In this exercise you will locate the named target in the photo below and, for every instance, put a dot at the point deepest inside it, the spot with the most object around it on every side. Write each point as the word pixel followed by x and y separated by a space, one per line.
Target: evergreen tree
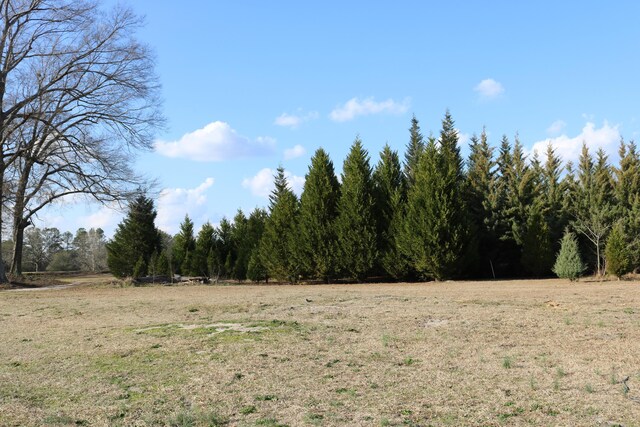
pixel 537 249
pixel 249 247
pixel 140 268
pixel 162 266
pixel 595 213
pixel 569 264
pixel 436 230
pixel 277 246
pixel 317 239
pixel 617 252
pixel 499 219
pixel 521 185
pixel 415 147
pixel 356 223
pixel 183 247
pixel 389 191
pixel 205 245
pixel 242 246
pixel 256 271
pixel 224 253
pixel 552 195
pixel 631 221
pixel 482 201
pixel 627 182
pixel 136 237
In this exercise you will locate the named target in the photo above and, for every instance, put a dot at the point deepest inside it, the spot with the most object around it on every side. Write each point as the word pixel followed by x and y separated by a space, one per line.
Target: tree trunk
pixel 18 245
pixel 20 223
pixel 3 274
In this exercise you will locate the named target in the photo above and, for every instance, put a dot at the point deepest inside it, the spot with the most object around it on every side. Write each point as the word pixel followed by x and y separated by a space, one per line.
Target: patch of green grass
pixel 628 310
pixel 348 391
pixel 588 388
pixel 386 340
pixel 193 418
pixel 506 415
pixel 408 361
pixel 507 362
pixel 560 372
pixel 249 409
pixel 314 418
pixel 269 422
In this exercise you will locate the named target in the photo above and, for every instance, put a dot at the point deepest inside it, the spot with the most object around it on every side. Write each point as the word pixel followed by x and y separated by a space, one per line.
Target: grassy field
pixel 456 353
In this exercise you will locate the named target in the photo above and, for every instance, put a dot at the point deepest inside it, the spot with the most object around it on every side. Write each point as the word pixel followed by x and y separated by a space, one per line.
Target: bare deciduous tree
pixel 78 95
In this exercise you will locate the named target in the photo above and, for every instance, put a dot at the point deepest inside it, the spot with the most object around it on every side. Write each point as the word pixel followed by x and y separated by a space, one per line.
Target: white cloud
pixel 295 120
pixel 215 142
pixel 568 148
pixel 294 152
pixel 107 217
pixel 556 127
pixel 356 107
pixel 175 203
pixel 262 183
pixel 489 89
pixel 463 138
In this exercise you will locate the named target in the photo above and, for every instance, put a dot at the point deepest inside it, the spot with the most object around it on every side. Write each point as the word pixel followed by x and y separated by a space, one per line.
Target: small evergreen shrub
pixel 569 264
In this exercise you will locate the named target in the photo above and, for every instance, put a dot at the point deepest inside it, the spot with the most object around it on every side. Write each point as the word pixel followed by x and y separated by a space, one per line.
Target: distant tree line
pixel 433 216
pixel 47 249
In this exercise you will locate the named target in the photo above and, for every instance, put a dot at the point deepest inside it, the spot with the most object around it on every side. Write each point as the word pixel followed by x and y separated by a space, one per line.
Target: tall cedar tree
pixel 415 147
pixel 390 189
pixel 224 254
pixel 552 195
pixel 537 248
pixel 184 245
pixel 481 201
pixel 317 244
pixel 436 232
pixel 277 247
pixel 242 248
pixel 135 238
pixel 521 185
pixel 506 251
pixel 356 222
pixel 246 235
pixel 595 213
pixel 627 176
pixel 617 252
pixel 205 246
pixel 249 248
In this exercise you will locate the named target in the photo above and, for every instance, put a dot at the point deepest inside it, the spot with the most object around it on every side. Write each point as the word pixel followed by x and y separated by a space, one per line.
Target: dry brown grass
pixel 456 353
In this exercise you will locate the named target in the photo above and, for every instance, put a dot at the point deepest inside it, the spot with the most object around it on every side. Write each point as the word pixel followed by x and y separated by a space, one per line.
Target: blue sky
pixel 249 85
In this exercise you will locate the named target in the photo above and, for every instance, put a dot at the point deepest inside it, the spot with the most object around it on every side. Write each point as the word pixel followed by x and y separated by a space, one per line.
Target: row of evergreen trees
pixel 432 216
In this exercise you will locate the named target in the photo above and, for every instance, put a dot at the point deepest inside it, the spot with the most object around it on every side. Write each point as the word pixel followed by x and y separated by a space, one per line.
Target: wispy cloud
pixel 261 184
pixel 175 203
pixel 556 127
pixel 569 148
pixel 294 152
pixel 294 120
pixel 363 107
pixel 215 142
pixel 489 89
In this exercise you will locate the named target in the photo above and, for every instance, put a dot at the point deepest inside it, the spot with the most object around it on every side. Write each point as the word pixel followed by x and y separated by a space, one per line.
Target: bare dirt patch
pixel 456 353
